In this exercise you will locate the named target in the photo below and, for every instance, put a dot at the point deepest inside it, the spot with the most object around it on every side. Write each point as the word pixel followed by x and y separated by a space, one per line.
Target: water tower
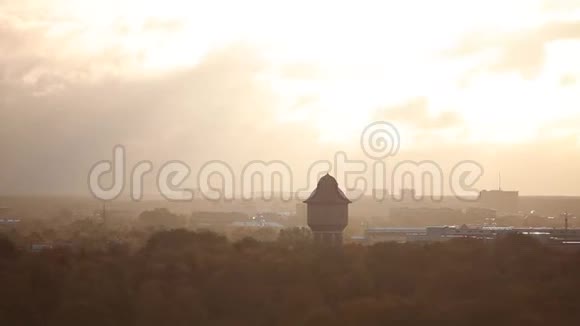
pixel 327 212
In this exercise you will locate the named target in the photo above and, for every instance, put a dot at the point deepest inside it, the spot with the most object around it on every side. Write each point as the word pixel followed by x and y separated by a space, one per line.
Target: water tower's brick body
pixel 327 212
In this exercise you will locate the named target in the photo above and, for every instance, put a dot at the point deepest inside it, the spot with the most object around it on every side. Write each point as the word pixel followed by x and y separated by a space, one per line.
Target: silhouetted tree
pixel 295 236
pixel 182 277
pixel 8 250
pixel 161 217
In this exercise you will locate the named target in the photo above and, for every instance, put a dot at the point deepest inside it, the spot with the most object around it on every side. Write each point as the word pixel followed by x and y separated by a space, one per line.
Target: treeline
pixel 199 278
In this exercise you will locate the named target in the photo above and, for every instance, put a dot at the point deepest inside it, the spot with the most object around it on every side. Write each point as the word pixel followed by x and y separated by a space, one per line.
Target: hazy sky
pixel 493 81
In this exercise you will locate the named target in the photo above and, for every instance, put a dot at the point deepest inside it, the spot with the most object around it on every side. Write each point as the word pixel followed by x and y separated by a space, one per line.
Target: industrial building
pixel 442 233
pixel 499 200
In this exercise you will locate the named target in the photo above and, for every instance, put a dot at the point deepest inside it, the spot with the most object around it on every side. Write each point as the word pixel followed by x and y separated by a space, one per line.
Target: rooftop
pixel 327 192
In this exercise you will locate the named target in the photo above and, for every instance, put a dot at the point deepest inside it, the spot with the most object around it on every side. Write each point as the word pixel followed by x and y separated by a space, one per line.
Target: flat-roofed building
pixel 499 200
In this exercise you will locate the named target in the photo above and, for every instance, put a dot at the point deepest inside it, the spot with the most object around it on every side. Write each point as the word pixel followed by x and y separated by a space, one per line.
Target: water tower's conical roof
pixel 327 192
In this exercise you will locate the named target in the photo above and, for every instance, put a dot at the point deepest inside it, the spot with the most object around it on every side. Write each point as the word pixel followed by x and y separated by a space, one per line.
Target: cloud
pixel 47 53
pixel 560 5
pixel 415 113
pixel 219 109
pixel 62 110
pixel 163 25
pixel 567 80
pixel 301 71
pixel 522 51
